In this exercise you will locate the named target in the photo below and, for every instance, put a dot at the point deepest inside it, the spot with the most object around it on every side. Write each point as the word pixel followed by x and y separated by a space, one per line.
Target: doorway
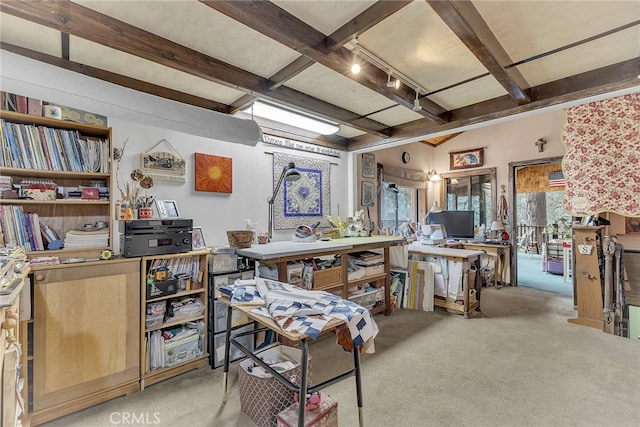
pixel 540 226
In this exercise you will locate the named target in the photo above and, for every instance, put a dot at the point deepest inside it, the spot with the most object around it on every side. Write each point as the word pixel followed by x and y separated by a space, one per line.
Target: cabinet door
pixel 86 331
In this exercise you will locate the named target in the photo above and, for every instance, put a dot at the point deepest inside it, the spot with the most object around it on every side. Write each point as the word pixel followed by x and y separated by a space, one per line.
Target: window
pixel 476 191
pixel 399 208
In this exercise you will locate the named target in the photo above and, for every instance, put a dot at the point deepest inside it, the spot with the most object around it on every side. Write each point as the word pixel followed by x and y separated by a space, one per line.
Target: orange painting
pixel 213 173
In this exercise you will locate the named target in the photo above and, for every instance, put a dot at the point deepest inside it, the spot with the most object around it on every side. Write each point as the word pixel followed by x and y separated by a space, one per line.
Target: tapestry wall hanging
pixel 603 152
pixel 305 201
pixel 213 173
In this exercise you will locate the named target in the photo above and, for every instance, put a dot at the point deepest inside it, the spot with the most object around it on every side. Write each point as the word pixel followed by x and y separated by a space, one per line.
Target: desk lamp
pixel 289 173
pixel 384 186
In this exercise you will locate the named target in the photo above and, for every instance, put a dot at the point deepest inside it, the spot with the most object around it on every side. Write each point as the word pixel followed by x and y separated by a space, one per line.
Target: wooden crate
pixel 327 277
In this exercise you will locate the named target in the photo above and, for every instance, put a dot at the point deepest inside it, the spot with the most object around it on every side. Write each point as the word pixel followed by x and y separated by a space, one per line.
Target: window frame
pixel 491 172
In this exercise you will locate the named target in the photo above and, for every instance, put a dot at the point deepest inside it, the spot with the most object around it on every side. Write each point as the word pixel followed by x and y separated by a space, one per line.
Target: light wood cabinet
pixel 588 281
pixel 85 335
pixel 156 368
pixel 39 137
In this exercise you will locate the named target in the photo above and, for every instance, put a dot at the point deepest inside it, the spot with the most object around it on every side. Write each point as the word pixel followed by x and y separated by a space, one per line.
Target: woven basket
pixel 240 238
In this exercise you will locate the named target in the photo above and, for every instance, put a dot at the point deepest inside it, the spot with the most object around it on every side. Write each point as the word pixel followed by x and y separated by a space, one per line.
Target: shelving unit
pixel 195 264
pixel 39 134
pixel 279 253
pixel 218 315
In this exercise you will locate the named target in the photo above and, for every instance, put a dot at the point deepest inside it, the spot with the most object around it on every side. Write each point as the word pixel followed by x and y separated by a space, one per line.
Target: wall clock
pixel 405 157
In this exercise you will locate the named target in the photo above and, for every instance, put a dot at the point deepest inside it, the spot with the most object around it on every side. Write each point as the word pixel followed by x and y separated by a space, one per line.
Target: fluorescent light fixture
pixel 291 118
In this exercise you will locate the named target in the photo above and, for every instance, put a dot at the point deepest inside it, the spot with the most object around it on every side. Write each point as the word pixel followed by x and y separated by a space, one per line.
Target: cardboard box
pixel 325 416
pixel 222 263
pixel 181 350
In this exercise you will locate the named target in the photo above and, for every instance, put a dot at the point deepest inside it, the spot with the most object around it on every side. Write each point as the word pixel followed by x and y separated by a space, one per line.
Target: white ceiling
pixel 563 45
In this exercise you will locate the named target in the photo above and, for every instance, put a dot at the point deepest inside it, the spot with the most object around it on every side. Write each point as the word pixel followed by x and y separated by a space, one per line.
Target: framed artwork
pixel 632 225
pixel 367 190
pixel 164 165
pixel 197 239
pixel 167 209
pixel 466 159
pixel 368 165
pixel 305 201
pixel 213 173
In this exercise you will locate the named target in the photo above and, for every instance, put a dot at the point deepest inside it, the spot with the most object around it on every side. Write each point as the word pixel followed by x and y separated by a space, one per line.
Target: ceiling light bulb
pixel 396 84
pixel 416 103
pixel 355 67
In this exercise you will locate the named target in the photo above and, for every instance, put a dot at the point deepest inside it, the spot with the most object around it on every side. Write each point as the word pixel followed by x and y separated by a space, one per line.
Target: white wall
pixel 146 120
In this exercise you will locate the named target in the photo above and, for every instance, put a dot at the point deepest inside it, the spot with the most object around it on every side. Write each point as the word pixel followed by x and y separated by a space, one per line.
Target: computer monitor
pixel 459 224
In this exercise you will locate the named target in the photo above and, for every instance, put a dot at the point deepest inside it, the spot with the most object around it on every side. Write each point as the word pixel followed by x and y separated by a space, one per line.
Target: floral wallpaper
pixel 602 163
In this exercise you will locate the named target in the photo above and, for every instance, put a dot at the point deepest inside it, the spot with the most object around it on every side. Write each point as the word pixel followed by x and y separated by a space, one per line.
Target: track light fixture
pixel 416 102
pixel 394 84
pixel 355 66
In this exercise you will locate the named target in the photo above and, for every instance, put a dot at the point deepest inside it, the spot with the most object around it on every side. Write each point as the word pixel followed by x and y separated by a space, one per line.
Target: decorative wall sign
pixel 466 159
pixel 213 173
pixel 164 165
pixel 299 145
pixel 305 201
pixel 368 165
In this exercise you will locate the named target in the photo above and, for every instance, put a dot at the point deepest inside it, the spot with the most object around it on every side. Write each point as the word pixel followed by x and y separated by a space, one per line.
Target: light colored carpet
pixel 517 363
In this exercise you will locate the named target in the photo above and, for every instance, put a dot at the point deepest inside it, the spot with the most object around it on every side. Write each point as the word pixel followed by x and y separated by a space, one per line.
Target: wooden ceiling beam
pixel 367 19
pixel 466 23
pixel 80 21
pixel 118 79
pixel 620 76
pixel 290 71
pixel 373 15
pixel 278 24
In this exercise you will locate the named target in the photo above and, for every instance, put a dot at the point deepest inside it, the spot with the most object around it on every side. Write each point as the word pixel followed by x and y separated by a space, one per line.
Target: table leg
pixel 500 272
pixel 465 285
pixel 356 365
pixel 302 393
pixel 227 345
pixel 477 283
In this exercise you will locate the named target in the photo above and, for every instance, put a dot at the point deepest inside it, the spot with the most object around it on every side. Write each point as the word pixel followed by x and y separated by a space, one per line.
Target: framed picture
pixel 197 239
pixel 213 173
pixel 466 159
pixel 167 209
pixel 632 225
pixel 368 165
pixel 367 190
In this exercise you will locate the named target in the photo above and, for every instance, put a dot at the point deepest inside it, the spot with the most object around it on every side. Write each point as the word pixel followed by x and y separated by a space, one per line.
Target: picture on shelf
pixel 197 239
